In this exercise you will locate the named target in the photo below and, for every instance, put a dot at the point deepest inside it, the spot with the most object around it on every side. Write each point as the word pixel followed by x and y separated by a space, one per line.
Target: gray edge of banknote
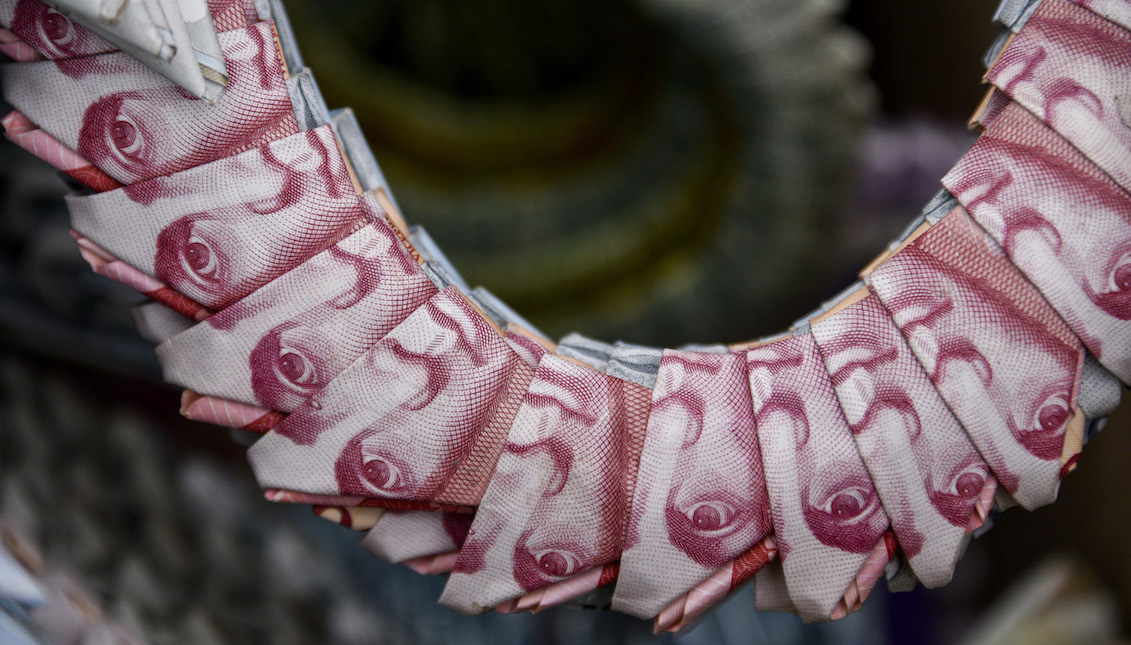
pixel 309 107
pixel 427 247
pixel 504 311
pixel 437 275
pixel 365 165
pixel 592 352
pixel 287 41
pixel 636 363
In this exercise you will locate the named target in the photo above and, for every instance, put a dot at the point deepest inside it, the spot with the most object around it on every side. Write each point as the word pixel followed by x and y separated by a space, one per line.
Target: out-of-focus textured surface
pixel 660 171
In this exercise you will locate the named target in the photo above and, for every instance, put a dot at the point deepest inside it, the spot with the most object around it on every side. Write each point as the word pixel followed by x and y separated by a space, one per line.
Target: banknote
pixel 770 591
pixel 1117 11
pixel 469 481
pixel 562 591
pixel 502 313
pixel 285 341
pixel 48 33
pixel 1000 356
pixel 176 39
pixel 134 124
pixel 25 134
pixel 1063 222
pixel 401 418
pixel 105 264
pixel 592 352
pixel 405 535
pixel 432 565
pixel 716 587
pixel 287 496
pixel 217 232
pixel 228 413
pixel 356 518
pixel 636 363
pixel 158 323
pixel 237 14
pixel 16 49
pixel 700 497
pixel 928 475
pixel 555 506
pixel 1072 69
pixel 825 511
pixel 637 402
pixel 529 347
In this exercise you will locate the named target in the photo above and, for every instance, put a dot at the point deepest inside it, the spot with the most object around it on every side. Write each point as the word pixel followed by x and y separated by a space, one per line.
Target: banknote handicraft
pixel 961 375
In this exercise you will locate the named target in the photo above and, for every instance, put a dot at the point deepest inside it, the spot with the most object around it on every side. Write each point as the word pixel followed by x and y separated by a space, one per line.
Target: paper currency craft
pixel 134 124
pixel 1071 68
pixel 700 498
pixel 1063 222
pixel 401 418
pixel 555 506
pixel 433 417
pixel 998 354
pixel 826 514
pixel 927 473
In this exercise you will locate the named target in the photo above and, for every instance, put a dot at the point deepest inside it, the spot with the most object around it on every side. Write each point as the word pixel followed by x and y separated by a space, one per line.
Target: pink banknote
pixel 637 402
pixel 929 476
pixel 562 591
pixel 1000 356
pixel 287 340
pixel 405 535
pixel 233 14
pixel 27 135
pixel 399 420
pixel 286 496
pixel 555 507
pixel 1072 69
pixel 716 587
pixel 217 232
pixel 1117 11
pixel 134 124
pixel 469 481
pixel 1061 221
pixel 700 497
pixel 826 514
pixel 106 265
pixel 16 49
pixel 228 413
pixel 49 33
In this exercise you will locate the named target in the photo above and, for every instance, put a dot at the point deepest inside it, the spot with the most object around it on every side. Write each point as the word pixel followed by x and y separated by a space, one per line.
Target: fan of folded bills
pixel 961 375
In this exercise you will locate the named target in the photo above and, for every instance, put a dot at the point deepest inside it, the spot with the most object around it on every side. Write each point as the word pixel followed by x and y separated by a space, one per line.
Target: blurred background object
pixel 658 171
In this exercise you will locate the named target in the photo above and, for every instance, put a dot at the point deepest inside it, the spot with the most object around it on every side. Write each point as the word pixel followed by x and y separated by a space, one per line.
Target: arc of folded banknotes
pixel 962 374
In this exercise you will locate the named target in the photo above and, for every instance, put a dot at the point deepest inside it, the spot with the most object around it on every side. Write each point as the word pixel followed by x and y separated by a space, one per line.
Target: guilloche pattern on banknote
pixel 1063 222
pixel 219 231
pixel 233 14
pixel 1072 69
pixel 471 478
pixel 555 506
pixel 404 535
pixel 700 497
pixel 927 473
pixel 51 34
pixel 398 421
pixel 284 342
pixel 134 124
pixel 1117 11
pixel 826 514
pixel 25 134
pixel 1000 356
